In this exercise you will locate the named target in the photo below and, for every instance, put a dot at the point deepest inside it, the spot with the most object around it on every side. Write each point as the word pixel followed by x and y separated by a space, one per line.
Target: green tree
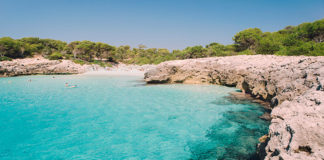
pixel 104 51
pixel 122 52
pixel 318 31
pixel 86 50
pixel 10 48
pixel 216 49
pixel 268 44
pixel 72 49
pixel 318 49
pixel 195 52
pixel 42 46
pixel 247 39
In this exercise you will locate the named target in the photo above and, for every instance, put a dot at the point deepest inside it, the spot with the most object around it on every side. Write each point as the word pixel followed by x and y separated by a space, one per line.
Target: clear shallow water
pixel 121 118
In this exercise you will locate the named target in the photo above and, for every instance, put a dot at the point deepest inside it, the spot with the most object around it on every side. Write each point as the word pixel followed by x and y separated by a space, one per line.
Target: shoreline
pixel 241 97
pixel 40 66
pixel 294 87
pixel 114 73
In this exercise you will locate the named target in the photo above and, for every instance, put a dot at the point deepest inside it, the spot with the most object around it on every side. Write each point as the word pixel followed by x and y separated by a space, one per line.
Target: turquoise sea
pixel 119 117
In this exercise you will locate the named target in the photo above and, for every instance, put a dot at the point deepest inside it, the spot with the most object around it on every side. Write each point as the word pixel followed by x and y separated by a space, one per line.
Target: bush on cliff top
pixel 56 56
pixel 78 61
pixel 4 58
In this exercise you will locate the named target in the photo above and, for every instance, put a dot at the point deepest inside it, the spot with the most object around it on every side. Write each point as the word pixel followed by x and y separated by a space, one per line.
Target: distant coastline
pixel 40 65
pixel 305 39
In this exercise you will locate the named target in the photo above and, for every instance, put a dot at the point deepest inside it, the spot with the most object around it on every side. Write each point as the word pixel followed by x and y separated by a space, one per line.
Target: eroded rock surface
pixel 294 86
pixel 297 132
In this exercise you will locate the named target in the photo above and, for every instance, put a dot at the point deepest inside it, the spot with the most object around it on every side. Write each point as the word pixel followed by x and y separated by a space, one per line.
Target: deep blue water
pixel 111 117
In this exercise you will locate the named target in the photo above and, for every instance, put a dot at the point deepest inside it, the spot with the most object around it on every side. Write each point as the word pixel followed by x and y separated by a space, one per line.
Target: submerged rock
pixel 266 116
pixel 294 87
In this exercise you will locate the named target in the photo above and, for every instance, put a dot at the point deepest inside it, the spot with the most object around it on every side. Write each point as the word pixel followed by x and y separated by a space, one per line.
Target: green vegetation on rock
pixel 56 56
pixel 304 39
pixel 4 58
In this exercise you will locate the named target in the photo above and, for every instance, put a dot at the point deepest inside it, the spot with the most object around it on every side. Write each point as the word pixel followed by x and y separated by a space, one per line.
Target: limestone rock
pixel 40 65
pixel 294 86
pixel 299 132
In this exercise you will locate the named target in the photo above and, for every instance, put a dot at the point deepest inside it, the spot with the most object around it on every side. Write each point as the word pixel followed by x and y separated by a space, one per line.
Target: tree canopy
pixel 304 39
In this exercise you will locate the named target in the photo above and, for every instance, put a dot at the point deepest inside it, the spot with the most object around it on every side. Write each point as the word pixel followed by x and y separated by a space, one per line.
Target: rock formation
pixel 40 65
pixel 294 86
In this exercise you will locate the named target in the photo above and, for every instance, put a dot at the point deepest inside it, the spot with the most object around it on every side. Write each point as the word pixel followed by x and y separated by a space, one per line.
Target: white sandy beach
pixel 115 73
pixel 121 70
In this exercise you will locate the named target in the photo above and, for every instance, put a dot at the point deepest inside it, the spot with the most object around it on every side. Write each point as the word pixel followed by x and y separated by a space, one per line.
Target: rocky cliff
pixel 294 86
pixel 40 65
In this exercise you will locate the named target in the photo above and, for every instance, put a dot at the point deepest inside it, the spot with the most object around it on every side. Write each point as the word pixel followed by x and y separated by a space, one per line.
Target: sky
pixel 171 24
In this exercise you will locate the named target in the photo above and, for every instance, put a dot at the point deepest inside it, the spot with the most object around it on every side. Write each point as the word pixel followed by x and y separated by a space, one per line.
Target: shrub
pixel 246 52
pixel 4 58
pixel 56 56
pixel 303 49
pixel 68 56
pixel 268 46
pixel 79 61
pixel 318 49
pixel 100 63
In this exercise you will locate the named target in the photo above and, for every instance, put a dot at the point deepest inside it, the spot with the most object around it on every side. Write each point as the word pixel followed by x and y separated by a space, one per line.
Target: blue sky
pixel 172 24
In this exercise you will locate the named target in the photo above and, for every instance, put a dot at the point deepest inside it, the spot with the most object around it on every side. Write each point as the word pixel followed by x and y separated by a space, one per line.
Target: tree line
pixel 304 39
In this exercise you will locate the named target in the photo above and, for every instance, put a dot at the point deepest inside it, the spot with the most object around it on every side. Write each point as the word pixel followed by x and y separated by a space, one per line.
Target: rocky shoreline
pixel 40 65
pixel 294 87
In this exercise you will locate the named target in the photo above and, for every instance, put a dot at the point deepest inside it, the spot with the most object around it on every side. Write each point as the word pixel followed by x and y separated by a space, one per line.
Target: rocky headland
pixel 40 65
pixel 293 86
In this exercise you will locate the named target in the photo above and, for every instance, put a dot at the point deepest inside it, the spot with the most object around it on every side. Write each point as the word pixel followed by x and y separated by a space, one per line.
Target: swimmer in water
pixel 66 84
pixel 74 86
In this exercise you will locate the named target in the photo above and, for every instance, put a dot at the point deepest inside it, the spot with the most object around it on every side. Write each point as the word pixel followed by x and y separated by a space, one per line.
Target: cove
pixel 119 117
